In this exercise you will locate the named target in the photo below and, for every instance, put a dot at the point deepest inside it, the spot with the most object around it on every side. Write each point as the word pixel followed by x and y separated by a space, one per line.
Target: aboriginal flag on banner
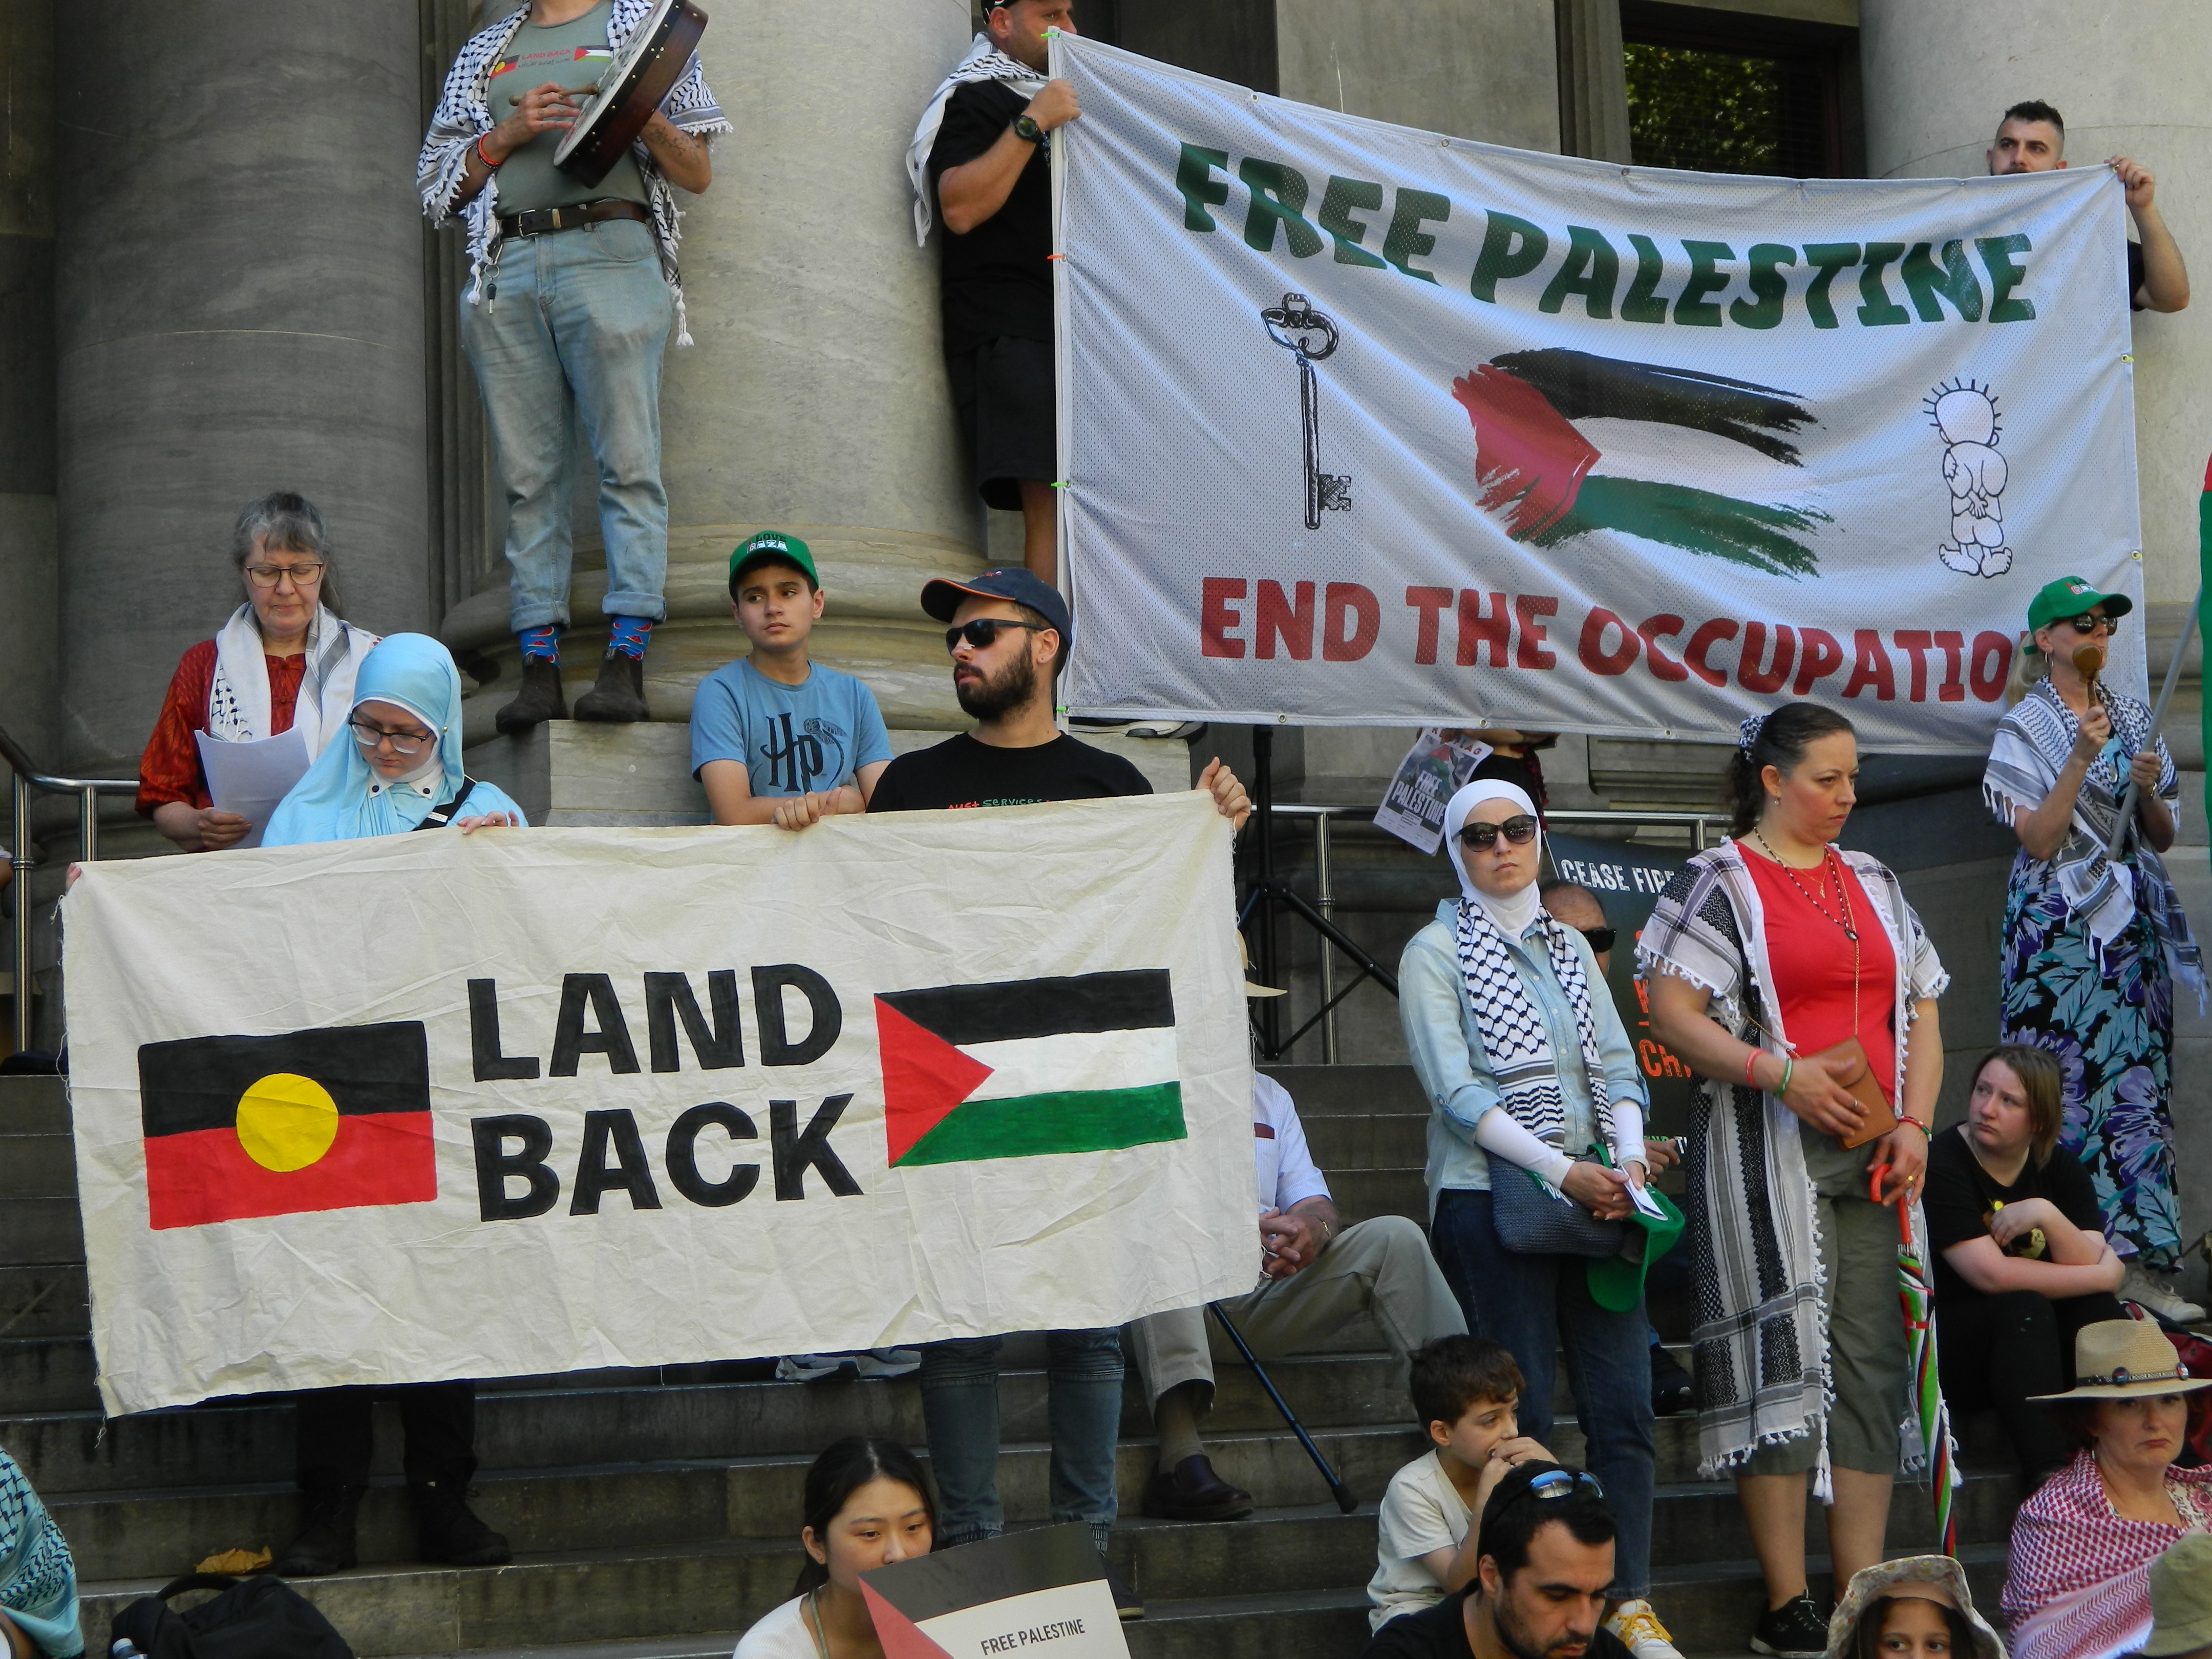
pixel 332 1119
pixel 1029 1067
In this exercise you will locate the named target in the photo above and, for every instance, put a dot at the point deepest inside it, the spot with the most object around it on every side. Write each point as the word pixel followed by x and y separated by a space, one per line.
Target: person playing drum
pixel 572 291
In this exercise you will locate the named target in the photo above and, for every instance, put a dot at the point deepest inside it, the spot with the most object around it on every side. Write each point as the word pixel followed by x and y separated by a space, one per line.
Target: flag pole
pixel 2157 719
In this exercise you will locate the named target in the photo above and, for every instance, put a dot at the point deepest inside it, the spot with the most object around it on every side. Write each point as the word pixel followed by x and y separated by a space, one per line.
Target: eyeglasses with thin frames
pixel 267 575
pixel 370 737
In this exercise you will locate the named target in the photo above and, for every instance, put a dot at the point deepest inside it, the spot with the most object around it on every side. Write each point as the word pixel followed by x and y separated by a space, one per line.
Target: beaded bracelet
pixel 1907 1117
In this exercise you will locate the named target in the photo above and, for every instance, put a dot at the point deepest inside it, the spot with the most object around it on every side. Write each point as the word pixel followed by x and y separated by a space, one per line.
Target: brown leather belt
pixel 538 221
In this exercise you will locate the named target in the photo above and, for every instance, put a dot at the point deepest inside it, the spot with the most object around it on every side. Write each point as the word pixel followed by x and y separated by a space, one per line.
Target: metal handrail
pixel 88 790
pixel 1698 824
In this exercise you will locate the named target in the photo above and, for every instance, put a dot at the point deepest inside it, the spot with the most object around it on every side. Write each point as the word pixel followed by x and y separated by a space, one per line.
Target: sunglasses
pixel 980 633
pixel 2091 623
pixel 1554 1484
pixel 1519 830
pixel 1600 939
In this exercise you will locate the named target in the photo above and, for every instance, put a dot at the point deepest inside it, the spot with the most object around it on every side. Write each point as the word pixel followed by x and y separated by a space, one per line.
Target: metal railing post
pixel 20 860
pixel 87 824
pixel 1325 901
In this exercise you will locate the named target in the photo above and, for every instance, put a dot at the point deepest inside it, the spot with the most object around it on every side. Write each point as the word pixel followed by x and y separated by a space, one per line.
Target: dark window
pixel 1730 92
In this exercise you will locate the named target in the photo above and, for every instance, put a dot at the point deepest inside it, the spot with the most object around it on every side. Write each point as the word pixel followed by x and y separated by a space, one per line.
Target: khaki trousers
pixel 1380 1267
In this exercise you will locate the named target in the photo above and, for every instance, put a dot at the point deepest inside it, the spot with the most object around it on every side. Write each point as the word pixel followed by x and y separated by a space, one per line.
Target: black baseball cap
pixel 942 597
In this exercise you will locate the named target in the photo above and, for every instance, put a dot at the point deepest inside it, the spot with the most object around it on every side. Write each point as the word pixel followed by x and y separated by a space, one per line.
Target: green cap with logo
pixel 2069 596
pixel 772 547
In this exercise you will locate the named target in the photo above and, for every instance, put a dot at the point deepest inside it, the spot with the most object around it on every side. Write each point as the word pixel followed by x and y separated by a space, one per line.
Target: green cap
pixel 2069 596
pixel 1616 1283
pixel 2181 1597
pixel 772 547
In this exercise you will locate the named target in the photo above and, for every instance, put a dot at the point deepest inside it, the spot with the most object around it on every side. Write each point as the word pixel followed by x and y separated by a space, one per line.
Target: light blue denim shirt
pixel 1448 1054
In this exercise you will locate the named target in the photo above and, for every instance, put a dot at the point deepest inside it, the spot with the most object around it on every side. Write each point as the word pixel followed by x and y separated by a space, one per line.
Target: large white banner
pixel 1361 425
pixel 428 1107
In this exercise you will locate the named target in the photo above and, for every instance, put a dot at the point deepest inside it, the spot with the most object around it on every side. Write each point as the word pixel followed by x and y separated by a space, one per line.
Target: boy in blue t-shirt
pixel 775 738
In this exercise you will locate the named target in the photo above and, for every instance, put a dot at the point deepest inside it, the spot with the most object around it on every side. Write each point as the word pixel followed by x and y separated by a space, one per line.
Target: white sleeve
pixel 1297 1176
pixel 1628 1135
pixel 1497 1133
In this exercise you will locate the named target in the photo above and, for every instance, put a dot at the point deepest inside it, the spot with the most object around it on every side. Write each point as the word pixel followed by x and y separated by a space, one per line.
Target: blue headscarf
pixel 335 801
pixel 38 1581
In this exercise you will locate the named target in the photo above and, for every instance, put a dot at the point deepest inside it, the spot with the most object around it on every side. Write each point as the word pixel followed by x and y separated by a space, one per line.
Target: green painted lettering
pixel 1592 270
pixel 2006 274
pixel 1954 283
pixel 1827 259
pixel 1878 310
pixel 1194 180
pixel 1406 242
pixel 1692 307
pixel 1350 234
pixel 1510 247
pixel 1644 303
pixel 1772 288
pixel 1278 198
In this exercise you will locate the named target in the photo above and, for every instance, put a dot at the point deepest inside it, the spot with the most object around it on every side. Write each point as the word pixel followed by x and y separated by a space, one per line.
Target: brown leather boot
pixel 619 692
pixel 540 698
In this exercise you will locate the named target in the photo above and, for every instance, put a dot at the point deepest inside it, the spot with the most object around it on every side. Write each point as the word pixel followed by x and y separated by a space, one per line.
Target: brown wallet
pixel 1857 1079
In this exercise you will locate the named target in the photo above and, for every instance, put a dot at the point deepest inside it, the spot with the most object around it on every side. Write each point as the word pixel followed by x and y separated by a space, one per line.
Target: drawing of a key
pixel 1311 336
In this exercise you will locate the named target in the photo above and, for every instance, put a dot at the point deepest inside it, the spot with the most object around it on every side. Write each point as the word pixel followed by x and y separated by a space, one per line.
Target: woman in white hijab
pixel 1528 1067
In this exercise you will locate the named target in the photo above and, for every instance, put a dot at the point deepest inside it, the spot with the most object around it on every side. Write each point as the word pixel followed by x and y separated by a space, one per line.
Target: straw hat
pixel 1935 1578
pixel 2126 1359
pixel 1250 989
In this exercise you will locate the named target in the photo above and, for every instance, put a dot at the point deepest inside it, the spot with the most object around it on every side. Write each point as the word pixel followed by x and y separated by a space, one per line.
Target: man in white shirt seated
pixel 1316 1275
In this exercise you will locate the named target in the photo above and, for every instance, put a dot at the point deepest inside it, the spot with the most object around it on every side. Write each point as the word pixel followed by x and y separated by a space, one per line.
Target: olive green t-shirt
pixel 571 55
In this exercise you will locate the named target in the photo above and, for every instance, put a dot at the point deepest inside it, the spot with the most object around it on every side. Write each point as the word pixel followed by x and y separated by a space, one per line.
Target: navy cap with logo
pixel 942 597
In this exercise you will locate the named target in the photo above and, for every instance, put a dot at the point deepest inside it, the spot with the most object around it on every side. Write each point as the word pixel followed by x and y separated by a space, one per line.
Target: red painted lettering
pixel 1351 618
pixel 1919 643
pixel 1592 650
pixel 1771 678
pixel 1870 666
pixel 1954 647
pixel 1429 602
pixel 1476 629
pixel 1707 636
pixel 1277 618
pixel 1822 657
pixel 1992 662
pixel 1527 607
pixel 1656 629
pixel 1216 618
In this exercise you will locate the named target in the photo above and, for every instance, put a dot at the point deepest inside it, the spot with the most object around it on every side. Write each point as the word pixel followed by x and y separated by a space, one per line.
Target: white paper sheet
pixel 250 778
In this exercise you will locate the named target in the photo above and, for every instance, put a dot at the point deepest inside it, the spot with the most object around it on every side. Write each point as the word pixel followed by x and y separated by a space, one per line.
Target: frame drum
pixel 631 90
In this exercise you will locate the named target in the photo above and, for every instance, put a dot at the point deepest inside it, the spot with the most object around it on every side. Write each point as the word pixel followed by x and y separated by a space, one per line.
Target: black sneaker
pixel 326 1543
pixel 448 1531
pixel 1795 1630
pixel 1673 1389
pixel 1127 1601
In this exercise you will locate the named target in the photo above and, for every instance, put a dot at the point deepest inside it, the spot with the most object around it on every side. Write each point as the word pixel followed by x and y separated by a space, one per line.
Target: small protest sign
pixel 1434 768
pixel 1042 1591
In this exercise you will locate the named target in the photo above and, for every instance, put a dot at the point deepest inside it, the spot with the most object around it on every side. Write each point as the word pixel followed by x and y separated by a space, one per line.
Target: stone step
pixel 1379 1141
pixel 43 1302
pixel 33 1105
pixel 39 1230
pixel 45 1374
pixel 1351 1091
pixel 243 1441
pixel 36 1165
pixel 1360 1194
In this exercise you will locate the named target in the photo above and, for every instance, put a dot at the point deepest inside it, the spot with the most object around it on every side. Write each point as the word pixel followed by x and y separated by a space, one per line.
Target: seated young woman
pixel 868 1505
pixel 2022 1264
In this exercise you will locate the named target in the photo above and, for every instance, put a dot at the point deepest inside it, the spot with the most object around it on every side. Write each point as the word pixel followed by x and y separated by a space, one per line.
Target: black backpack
pixel 252 1619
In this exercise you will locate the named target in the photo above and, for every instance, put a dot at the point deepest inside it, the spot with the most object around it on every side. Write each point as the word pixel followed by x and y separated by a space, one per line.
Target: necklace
pixel 1832 870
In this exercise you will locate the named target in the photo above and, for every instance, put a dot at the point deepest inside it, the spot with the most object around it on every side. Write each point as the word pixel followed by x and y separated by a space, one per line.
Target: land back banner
pixel 428 1107
pixel 1362 425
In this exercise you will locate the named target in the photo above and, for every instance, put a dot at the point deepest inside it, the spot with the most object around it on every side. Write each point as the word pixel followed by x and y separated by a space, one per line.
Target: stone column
pixel 1472 68
pixel 815 399
pixel 26 376
pixel 240 282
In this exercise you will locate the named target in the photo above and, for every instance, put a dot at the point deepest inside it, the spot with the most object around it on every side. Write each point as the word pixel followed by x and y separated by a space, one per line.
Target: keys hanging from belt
pixel 1310 336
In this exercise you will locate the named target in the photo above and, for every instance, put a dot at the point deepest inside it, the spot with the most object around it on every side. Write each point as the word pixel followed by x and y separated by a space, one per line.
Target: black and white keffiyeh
pixel 984 62
pixel 238 708
pixel 1515 1039
pixel 464 115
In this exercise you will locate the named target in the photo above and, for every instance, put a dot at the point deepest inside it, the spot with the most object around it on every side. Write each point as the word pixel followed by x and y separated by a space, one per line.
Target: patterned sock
pixel 629 635
pixel 541 643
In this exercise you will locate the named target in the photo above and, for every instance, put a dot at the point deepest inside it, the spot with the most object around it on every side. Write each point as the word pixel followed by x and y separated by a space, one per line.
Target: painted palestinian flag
pixel 1540 470
pixel 1030 1066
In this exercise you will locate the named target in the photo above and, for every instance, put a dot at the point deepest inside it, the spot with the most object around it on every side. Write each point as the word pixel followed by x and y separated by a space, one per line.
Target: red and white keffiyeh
pixel 2079 1586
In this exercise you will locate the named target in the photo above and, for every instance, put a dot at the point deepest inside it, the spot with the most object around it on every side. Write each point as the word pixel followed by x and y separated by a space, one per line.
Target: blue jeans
pixel 960 1408
pixel 1535 1305
pixel 570 329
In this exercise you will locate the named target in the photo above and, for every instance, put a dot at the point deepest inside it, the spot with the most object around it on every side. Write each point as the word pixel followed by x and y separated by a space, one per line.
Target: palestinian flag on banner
pixel 1539 468
pixel 1029 1067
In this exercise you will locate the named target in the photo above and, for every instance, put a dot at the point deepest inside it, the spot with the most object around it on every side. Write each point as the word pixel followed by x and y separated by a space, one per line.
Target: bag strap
pixel 192 1580
pixel 442 813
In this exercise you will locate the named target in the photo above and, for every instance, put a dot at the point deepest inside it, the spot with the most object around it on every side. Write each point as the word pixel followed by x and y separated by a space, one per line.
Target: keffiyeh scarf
pixel 2078 1583
pixel 464 114
pixel 2032 745
pixel 1761 1342
pixel 38 1580
pixel 237 699
pixel 984 62
pixel 1515 1040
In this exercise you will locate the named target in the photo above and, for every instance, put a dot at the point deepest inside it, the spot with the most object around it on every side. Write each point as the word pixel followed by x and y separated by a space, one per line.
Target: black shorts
pixel 1003 392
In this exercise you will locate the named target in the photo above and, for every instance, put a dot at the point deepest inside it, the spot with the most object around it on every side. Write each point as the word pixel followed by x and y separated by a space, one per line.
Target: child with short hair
pixel 775 737
pixel 1467 1391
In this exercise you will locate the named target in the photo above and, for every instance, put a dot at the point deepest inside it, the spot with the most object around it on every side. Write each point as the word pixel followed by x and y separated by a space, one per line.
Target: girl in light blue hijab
pixel 402 759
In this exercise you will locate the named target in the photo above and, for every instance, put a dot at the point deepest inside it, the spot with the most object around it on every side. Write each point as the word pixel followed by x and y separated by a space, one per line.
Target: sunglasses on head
pixel 1518 830
pixel 980 633
pixel 2092 621
pixel 1554 1484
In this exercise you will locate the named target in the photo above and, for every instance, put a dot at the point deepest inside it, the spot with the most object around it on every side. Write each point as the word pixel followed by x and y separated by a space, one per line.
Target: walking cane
pixel 1337 1488
pixel 2157 719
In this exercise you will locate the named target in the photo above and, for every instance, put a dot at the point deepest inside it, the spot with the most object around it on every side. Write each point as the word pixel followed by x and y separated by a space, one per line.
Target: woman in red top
pixel 245 684
pixel 1763 954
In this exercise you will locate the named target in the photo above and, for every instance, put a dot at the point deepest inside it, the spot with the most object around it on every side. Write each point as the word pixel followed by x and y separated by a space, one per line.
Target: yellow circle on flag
pixel 287 1121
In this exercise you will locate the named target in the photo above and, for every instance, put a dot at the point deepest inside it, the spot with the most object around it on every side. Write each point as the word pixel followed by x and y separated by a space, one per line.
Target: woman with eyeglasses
pixel 1799 985
pixel 2092 948
pixel 1533 1081
pixel 285 659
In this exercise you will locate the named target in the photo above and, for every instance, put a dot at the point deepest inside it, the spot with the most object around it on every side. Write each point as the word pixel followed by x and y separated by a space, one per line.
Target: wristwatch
pixel 1027 129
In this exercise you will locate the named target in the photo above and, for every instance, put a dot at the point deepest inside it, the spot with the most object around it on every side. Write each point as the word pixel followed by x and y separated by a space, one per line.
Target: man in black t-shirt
pixel 990 175
pixel 1539 1590
pixel 2032 138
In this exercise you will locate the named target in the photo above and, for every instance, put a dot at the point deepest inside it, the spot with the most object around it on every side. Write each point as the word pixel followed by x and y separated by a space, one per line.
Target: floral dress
pixel 2092 949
